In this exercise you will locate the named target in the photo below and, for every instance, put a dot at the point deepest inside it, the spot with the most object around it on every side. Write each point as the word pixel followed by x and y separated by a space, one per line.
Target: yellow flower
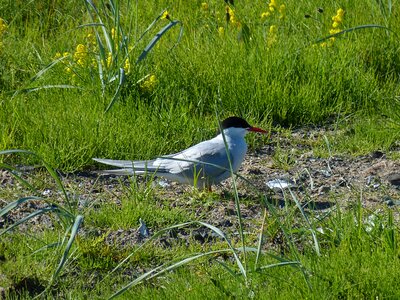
pixel 3 26
pixel 337 19
pixel 147 85
pixel 81 62
pixel 113 33
pixel 94 63
pixel 80 54
pixel 57 55
pixel 221 30
pixel 230 16
pixel 273 5
pixel 340 12
pixel 166 15
pixel 272 36
pixel 65 54
pixel 127 66
pixel 334 31
pixel 80 48
pixel 265 15
pixel 273 29
pixel 282 11
pixel 109 59
pixel 204 6
pixel 337 23
pixel 91 39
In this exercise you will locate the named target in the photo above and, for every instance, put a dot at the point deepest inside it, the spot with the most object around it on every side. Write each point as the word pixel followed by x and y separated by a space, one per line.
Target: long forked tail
pixel 128 167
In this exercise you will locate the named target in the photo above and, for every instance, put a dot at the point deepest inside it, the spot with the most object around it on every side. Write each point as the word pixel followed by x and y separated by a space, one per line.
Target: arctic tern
pixel 203 164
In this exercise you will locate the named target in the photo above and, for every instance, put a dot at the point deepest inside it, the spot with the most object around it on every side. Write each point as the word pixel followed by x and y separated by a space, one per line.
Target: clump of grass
pixel 65 212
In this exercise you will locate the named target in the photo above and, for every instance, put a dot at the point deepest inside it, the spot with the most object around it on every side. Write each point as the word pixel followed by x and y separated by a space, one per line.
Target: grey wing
pixel 208 165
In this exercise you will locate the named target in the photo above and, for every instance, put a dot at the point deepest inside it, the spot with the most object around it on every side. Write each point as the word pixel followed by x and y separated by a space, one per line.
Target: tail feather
pixel 138 164
pixel 117 172
pixel 129 167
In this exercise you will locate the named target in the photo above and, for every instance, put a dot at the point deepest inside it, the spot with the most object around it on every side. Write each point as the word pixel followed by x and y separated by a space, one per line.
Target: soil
pixel 317 183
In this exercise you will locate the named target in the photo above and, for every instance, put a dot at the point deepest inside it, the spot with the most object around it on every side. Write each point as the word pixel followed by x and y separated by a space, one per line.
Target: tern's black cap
pixel 235 122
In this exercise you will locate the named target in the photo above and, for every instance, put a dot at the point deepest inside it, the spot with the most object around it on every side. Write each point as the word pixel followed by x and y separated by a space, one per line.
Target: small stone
pixel 377 154
pixel 394 179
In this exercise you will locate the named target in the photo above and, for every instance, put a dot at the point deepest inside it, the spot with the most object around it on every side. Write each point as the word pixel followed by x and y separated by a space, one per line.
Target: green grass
pixel 280 82
pixel 293 82
pixel 357 259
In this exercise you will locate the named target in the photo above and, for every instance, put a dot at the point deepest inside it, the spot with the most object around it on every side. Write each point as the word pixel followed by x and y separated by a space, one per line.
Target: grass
pixel 280 78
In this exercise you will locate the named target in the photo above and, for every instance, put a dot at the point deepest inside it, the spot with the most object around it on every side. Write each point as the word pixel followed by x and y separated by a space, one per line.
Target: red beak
pixel 255 129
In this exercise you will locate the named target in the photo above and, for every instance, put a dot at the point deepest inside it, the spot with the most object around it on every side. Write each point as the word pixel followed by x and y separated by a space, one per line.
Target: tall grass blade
pixel 221 234
pixel 13 172
pixel 152 238
pixel 152 273
pixel 52 172
pixel 151 25
pixel 314 236
pixel 30 216
pixel 354 29
pixel 6 209
pixel 45 247
pixel 74 231
pixel 50 86
pixel 260 240
pixel 156 38
pixel 118 90
pixel 236 195
pixel 281 264
pixel 40 74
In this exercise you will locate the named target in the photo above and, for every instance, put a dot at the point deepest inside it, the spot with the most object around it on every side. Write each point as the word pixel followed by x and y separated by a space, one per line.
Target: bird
pixel 202 165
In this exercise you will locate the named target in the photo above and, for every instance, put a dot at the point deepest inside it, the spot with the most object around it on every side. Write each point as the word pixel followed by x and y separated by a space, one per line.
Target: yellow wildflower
pixel 204 6
pixel 282 11
pixel 265 15
pixel 337 21
pixel 221 30
pixel 273 29
pixel 334 30
pixel 113 33
pixel 81 48
pixel 338 18
pixel 80 54
pixel 3 26
pixel 147 85
pixel 340 12
pixel 166 15
pixel 57 55
pixel 127 66
pixel 273 5
pixel 109 59
pixel 65 54
pixel 272 36
pixel 91 39
pixel 230 16
pixel 94 63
